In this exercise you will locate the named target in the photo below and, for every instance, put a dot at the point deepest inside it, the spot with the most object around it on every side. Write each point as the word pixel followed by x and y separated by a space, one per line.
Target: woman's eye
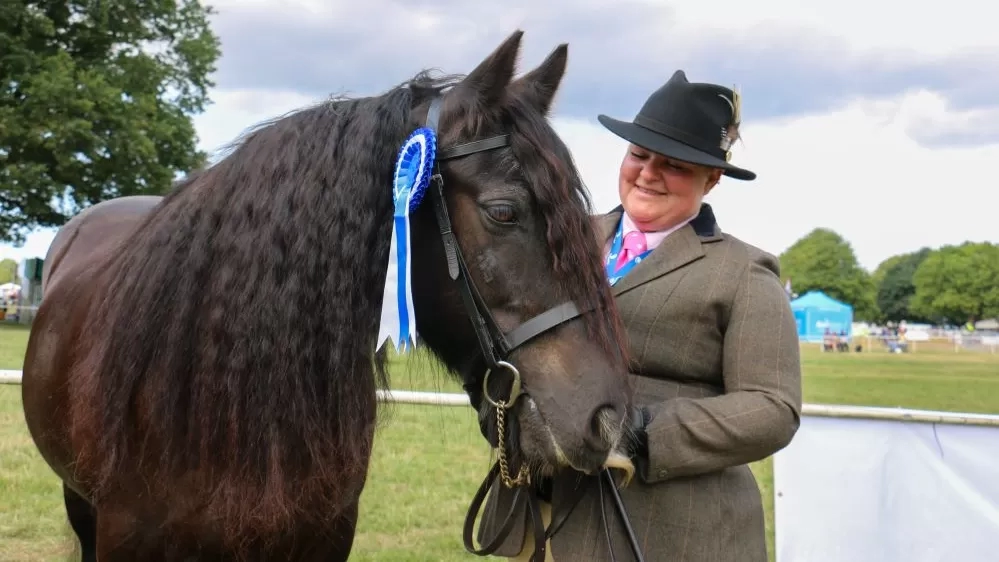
pixel 502 213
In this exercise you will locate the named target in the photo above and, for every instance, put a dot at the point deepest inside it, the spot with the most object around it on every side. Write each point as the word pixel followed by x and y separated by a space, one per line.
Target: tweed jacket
pixel 715 357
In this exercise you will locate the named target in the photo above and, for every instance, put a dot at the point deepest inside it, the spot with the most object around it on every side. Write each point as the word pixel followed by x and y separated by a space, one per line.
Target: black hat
pixel 694 123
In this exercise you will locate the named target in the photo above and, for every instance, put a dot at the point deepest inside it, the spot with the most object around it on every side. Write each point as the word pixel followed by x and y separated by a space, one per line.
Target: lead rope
pixel 622 515
pixel 603 518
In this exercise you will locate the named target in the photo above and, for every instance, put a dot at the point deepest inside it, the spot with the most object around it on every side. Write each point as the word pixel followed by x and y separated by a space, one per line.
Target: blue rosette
pixel 413 169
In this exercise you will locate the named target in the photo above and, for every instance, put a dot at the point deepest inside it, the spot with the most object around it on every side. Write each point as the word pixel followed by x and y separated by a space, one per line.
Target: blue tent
pixel 815 312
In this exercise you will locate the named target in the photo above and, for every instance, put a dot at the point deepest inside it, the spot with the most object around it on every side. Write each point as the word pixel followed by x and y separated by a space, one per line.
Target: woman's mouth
pixel 648 192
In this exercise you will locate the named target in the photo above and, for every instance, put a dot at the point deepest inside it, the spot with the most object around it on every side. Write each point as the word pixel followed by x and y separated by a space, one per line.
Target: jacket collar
pixel 677 250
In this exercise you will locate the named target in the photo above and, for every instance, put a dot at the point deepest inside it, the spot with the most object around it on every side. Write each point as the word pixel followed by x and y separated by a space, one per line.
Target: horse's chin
pixel 549 459
pixel 620 462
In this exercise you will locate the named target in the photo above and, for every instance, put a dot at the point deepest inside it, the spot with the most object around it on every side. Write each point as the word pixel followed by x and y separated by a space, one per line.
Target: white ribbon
pixel 398 320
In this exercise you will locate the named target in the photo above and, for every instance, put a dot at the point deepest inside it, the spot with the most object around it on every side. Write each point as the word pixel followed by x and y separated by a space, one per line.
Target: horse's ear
pixel 538 86
pixel 490 79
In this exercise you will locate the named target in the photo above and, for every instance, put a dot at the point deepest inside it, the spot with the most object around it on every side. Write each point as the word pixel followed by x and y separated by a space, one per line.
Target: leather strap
pixel 528 495
pixel 541 323
pixel 499 141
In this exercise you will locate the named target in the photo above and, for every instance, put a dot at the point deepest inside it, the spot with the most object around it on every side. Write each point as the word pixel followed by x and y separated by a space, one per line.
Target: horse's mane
pixel 567 208
pixel 240 319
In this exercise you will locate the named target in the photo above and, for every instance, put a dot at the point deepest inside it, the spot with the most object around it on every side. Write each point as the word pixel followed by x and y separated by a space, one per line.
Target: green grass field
pixel 429 460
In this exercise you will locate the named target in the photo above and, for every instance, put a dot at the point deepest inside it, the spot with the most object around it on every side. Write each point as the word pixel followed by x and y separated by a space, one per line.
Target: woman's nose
pixel 647 172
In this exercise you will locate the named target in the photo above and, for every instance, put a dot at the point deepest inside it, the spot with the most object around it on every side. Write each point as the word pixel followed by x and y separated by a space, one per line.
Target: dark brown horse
pixel 201 373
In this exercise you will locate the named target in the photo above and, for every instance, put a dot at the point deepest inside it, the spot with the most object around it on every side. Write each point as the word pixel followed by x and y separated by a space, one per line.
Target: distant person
pixel 714 343
pixel 843 343
pixel 828 340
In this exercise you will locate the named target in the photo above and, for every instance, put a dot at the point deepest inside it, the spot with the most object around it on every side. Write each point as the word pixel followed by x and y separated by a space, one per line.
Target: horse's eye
pixel 505 214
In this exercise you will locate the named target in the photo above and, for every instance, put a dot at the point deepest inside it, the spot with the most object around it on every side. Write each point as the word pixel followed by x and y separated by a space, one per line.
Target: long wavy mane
pixel 239 320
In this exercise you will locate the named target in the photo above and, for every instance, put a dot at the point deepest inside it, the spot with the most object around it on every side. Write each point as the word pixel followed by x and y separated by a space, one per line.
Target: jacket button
pixel 663 473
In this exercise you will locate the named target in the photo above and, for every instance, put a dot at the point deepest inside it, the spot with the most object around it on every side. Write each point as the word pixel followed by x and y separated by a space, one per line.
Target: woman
pixel 714 347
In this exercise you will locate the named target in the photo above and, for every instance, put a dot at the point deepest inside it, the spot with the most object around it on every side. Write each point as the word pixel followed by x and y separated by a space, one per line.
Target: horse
pixel 202 372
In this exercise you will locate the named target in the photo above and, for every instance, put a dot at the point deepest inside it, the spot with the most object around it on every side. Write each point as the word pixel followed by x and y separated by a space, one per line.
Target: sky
pixel 863 116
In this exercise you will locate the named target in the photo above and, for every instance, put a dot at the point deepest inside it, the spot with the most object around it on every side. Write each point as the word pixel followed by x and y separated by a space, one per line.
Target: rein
pixel 496 346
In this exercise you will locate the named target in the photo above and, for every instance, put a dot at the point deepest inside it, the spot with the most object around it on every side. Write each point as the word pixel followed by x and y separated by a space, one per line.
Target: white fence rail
pixel 816 410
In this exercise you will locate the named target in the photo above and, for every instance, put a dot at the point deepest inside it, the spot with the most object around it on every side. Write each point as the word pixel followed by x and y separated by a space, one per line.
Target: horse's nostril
pixel 604 423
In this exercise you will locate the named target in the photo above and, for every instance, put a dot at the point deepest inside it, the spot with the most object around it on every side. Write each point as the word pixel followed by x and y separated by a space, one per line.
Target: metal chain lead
pixel 523 477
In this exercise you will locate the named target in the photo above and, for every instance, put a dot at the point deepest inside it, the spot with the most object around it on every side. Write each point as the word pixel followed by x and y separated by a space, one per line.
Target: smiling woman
pixel 659 193
pixel 715 359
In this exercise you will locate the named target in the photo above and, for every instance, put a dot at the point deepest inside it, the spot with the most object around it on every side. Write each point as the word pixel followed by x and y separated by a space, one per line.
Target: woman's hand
pixel 637 435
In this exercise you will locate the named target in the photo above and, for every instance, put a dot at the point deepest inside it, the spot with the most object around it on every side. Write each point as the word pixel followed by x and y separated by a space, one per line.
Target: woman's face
pixel 659 192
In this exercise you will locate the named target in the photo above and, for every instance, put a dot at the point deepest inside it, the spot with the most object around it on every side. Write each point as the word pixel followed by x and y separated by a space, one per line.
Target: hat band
pixel 680 135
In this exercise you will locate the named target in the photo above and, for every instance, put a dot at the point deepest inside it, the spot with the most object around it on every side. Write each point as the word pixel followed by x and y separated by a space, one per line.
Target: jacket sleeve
pixel 760 410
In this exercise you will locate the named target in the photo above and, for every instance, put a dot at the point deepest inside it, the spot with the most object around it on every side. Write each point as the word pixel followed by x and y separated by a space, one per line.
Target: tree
pixel 96 100
pixel 879 273
pixel 8 271
pixel 958 283
pixel 895 289
pixel 824 261
pixel 878 277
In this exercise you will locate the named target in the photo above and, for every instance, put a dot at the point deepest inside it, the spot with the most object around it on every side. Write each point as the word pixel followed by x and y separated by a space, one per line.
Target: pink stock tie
pixel 634 245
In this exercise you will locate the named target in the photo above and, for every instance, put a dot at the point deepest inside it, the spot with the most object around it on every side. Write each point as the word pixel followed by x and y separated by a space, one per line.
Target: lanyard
pixel 612 275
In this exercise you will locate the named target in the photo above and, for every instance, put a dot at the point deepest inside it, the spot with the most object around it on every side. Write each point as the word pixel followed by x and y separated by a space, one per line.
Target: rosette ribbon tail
pixel 398 318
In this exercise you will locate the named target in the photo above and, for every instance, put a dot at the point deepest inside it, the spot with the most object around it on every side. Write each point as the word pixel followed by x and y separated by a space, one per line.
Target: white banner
pixel 882 490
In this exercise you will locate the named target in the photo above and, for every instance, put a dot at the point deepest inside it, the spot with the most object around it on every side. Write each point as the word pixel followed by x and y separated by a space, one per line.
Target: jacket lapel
pixel 677 250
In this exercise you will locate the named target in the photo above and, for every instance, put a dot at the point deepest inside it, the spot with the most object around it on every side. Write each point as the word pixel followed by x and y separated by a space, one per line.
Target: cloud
pixel 875 125
pixel 942 124
pixel 787 60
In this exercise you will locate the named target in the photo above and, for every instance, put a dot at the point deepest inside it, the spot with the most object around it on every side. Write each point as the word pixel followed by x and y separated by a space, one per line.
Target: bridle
pixel 495 346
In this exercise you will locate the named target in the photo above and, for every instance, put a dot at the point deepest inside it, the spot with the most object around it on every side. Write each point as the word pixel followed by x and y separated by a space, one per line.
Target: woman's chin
pixel 645 214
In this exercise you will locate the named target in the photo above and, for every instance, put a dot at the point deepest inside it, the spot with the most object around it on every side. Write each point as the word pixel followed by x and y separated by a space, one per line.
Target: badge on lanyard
pixel 615 275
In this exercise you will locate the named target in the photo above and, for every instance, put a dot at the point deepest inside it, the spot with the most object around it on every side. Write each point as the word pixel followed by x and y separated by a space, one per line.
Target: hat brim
pixel 651 140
